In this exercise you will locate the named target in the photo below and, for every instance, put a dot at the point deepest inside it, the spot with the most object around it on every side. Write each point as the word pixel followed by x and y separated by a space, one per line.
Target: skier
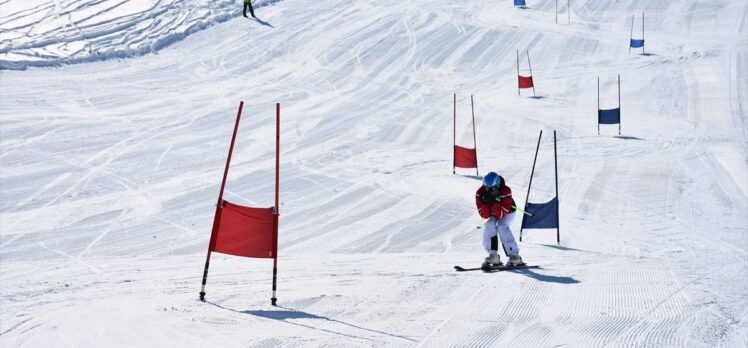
pixel 248 4
pixel 495 203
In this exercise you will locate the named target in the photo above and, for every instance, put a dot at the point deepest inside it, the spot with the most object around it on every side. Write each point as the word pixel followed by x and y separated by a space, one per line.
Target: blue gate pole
pixel 530 184
pixel 558 200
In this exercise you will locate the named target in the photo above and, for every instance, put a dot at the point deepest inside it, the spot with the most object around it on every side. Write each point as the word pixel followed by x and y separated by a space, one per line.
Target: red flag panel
pixel 465 158
pixel 245 231
pixel 525 81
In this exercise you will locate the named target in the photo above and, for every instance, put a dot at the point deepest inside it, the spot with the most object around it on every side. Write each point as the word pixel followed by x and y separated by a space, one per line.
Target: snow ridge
pixel 51 33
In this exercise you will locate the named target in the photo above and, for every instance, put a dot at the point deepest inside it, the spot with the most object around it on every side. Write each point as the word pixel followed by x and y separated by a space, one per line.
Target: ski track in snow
pixel 110 170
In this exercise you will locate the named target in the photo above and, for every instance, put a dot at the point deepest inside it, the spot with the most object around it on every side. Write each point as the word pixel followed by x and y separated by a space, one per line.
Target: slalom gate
pixel 609 116
pixel 463 157
pixel 525 81
pixel 246 231
pixel 636 43
pixel 542 215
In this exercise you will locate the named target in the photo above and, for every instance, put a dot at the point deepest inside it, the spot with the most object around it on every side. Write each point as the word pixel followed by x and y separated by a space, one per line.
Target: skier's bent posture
pixel 495 203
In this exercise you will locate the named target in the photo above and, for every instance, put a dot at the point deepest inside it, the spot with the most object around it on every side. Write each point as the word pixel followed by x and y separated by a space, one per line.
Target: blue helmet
pixel 491 180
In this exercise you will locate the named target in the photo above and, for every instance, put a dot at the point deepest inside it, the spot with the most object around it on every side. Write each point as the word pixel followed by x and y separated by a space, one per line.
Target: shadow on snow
pixel 545 278
pixel 559 247
pixel 285 314
pixel 263 22
pixel 626 137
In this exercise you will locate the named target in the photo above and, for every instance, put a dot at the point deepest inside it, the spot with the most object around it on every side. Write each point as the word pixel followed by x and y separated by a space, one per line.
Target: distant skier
pixel 495 203
pixel 248 5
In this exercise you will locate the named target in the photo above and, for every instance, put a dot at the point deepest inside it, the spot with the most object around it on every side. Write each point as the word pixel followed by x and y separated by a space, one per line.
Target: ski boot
pixel 514 261
pixel 492 260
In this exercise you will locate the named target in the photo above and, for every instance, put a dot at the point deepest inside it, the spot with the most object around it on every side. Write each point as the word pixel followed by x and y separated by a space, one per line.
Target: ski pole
pixel 517 208
pixel 520 210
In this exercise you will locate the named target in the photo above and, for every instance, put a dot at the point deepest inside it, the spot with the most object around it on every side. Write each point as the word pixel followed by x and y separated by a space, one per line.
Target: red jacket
pixel 499 206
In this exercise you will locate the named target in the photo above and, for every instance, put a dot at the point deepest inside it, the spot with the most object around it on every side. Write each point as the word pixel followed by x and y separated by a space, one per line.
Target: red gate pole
pixel 454 131
pixel 472 108
pixel 530 67
pixel 274 299
pixel 518 73
pixel 219 205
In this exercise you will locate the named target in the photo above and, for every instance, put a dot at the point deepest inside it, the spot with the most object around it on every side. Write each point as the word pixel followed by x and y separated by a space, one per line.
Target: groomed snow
pixel 111 165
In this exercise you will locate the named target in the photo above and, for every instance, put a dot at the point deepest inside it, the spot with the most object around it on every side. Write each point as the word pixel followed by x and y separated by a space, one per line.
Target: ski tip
pixel 459 269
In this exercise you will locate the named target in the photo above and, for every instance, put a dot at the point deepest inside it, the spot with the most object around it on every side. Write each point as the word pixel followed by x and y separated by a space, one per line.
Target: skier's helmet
pixel 492 180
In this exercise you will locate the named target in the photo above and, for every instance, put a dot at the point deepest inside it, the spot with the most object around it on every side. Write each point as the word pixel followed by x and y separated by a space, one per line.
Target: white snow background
pixel 115 121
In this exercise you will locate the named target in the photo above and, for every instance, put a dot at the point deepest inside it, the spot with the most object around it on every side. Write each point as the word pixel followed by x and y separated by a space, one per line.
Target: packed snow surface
pixel 115 122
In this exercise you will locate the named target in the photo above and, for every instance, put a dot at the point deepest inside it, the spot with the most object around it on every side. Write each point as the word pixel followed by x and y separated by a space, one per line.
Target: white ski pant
pixel 501 228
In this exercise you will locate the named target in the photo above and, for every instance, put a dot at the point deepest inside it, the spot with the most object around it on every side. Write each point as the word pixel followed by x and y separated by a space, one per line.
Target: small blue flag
pixel 611 116
pixel 637 43
pixel 544 215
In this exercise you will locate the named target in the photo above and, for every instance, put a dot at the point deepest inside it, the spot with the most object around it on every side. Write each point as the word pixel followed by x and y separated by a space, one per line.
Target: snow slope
pixel 111 169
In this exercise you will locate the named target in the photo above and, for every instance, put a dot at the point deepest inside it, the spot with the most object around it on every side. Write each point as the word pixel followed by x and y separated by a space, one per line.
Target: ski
pixel 494 268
